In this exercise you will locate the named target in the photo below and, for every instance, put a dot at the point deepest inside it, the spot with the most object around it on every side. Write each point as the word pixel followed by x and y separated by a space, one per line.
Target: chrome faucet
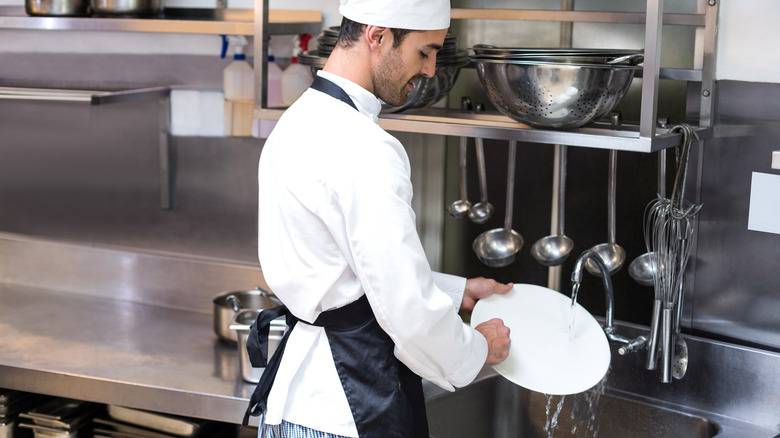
pixel 628 345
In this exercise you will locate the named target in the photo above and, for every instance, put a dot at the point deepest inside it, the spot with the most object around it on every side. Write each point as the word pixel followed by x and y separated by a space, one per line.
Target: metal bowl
pixel 426 92
pixel 57 8
pixel 553 95
pixel 126 8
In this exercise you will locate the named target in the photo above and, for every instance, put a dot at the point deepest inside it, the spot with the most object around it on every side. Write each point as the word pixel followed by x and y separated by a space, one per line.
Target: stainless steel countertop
pixel 118 352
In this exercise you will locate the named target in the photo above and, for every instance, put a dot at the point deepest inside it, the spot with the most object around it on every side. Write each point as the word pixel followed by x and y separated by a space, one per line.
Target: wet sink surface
pixel 497 408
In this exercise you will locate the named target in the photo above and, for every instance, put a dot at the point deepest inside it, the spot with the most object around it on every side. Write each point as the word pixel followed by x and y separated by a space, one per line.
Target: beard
pixel 389 81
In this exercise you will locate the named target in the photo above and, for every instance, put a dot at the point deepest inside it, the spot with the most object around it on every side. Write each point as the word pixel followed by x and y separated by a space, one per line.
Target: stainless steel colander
pixel 553 95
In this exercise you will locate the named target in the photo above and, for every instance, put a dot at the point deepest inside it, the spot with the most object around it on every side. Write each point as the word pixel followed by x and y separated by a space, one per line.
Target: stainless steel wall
pixel 737 279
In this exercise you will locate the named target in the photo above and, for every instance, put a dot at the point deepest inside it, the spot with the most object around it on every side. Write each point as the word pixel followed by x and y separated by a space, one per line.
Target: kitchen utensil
pixel 126 8
pixel 553 95
pixel 612 254
pixel 460 208
pixel 555 249
pixel 167 423
pixel 242 324
pixel 672 239
pixel 545 356
pixel 227 304
pixel 482 211
pixel 57 8
pixel 643 268
pixel 680 359
pixel 499 247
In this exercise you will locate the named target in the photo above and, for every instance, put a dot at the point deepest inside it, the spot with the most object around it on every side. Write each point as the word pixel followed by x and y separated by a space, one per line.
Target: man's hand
pixel 478 288
pixel 497 335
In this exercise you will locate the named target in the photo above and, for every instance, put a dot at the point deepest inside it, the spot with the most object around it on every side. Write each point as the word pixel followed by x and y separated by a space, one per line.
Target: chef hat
pixel 399 14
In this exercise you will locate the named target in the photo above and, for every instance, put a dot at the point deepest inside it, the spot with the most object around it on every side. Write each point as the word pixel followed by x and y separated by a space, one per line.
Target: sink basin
pixel 496 408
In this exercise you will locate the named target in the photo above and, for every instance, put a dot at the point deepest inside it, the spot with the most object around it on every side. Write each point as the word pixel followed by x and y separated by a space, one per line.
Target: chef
pixel 338 246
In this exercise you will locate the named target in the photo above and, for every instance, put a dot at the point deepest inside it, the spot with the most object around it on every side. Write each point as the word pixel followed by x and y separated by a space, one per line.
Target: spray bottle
pixel 238 85
pixel 296 78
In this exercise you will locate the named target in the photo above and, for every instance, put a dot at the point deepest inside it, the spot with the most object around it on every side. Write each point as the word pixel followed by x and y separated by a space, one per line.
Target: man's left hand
pixel 480 287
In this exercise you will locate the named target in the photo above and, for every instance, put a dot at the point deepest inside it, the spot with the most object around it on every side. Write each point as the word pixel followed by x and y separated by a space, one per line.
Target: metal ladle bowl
pixel 554 249
pixel 612 254
pixel 643 269
pixel 499 247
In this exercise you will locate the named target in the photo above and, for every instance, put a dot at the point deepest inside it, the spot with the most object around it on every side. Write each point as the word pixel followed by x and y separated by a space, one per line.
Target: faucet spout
pixel 576 278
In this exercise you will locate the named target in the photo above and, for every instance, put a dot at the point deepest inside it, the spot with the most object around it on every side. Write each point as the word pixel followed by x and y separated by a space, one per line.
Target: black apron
pixel 385 397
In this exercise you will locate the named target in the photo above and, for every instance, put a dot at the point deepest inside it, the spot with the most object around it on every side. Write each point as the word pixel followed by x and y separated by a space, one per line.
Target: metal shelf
pixel 573 16
pixel 499 127
pixel 83 96
pixel 173 20
pixel 646 137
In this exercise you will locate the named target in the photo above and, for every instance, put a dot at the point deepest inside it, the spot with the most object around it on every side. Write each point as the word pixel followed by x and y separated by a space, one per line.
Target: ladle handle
pixel 612 188
pixel 510 184
pixel 463 168
pixel 561 164
pixel 662 173
pixel 482 171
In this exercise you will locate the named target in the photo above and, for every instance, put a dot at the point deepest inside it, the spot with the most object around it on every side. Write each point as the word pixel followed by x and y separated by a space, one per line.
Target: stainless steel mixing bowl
pixel 427 91
pixel 553 95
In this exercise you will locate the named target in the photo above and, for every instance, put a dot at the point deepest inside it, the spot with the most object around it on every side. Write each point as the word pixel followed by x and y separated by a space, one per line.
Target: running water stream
pixel 583 412
pixel 575 289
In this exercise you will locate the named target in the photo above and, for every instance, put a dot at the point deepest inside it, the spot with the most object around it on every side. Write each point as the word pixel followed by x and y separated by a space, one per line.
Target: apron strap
pixel 353 315
pixel 325 86
pixel 257 347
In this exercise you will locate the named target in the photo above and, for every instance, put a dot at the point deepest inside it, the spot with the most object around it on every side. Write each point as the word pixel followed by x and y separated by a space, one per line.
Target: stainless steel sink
pixel 496 408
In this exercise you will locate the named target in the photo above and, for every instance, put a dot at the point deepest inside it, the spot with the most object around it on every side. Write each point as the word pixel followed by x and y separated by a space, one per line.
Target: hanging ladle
pixel 499 247
pixel 612 254
pixel 554 249
pixel 460 208
pixel 482 210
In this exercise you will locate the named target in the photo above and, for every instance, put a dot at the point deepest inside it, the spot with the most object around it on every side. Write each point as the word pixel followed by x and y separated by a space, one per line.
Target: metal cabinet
pixel 644 137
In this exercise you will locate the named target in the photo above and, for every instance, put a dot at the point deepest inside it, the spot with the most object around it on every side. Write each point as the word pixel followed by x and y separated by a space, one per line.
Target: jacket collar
pixel 367 104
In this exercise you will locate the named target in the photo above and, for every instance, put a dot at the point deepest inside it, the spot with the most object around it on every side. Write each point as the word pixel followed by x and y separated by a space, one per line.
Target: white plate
pixel 544 355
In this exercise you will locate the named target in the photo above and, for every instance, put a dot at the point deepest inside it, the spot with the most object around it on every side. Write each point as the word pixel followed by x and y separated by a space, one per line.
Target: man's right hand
pixel 497 335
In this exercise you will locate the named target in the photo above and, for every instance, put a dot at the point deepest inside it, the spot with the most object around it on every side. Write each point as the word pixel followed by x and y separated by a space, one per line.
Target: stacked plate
pixel 11 404
pixel 59 418
pixel 427 91
pixel 555 88
pixel 560 55
pixel 125 422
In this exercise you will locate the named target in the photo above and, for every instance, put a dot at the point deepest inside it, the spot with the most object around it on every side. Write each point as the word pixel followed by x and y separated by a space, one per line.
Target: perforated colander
pixel 553 95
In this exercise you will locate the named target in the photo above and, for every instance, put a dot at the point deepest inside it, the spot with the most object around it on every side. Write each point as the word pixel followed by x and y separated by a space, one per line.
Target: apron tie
pixel 349 317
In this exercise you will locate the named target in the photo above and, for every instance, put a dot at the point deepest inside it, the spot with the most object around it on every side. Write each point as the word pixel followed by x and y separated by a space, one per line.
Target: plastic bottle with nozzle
pixel 238 84
pixel 296 78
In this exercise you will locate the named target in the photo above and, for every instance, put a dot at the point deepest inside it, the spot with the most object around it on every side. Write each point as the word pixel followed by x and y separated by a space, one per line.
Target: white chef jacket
pixel 336 222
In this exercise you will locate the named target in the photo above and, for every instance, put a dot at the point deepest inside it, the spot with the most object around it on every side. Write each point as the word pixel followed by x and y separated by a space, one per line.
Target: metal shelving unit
pixel 218 21
pixel 172 20
pixel 645 137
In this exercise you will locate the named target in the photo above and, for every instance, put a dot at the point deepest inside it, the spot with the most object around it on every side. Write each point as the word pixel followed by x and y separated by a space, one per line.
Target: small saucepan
pixel 228 304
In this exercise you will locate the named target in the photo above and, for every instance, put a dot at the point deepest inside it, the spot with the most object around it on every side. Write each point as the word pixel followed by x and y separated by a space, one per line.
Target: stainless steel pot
pixel 56 8
pixel 126 8
pixel 228 304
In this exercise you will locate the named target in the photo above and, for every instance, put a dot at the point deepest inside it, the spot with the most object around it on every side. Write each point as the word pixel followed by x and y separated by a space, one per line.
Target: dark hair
pixel 351 31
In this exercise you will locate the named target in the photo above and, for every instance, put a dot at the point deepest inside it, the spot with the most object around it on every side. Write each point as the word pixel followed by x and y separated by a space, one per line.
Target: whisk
pixel 669 232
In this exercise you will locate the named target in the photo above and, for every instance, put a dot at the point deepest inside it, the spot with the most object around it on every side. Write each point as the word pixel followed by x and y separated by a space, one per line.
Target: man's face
pixel 400 67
